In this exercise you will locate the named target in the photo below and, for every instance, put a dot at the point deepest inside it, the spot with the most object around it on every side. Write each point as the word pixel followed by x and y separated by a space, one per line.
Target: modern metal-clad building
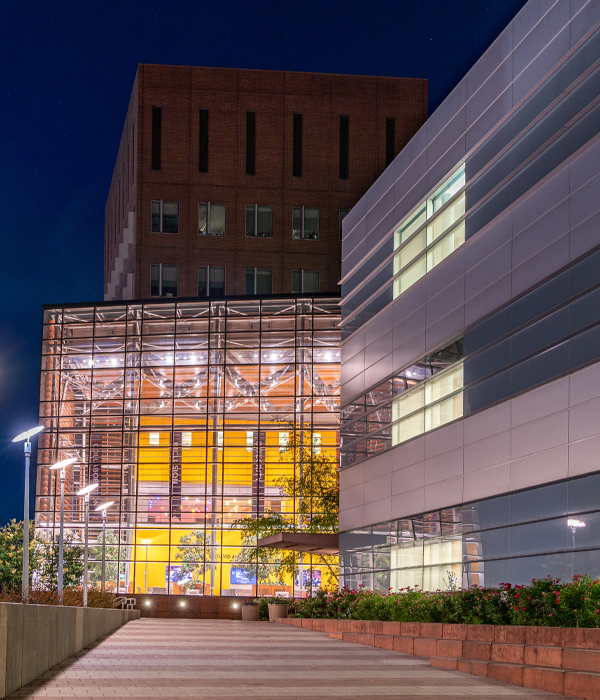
pixel 181 413
pixel 471 326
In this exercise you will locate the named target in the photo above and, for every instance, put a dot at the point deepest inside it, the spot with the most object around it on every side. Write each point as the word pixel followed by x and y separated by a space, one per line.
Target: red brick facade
pixel 228 94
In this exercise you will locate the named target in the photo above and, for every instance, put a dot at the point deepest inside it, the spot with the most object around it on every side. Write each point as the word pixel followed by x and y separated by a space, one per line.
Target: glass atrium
pixel 181 413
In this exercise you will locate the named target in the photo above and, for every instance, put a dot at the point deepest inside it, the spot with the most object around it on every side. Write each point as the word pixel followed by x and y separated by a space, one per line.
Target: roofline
pixel 187 300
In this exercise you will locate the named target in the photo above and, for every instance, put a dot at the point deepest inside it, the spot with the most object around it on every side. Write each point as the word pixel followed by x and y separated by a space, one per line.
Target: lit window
pixel 154 439
pixel 186 439
pixel 430 234
pixel 219 438
pixel 211 219
pixel 259 221
pixel 316 443
pixel 430 404
pixel 341 216
pixel 249 440
pixel 305 223
pixel 211 281
pixel 163 280
pixel 305 282
pixel 165 216
pixel 259 281
pixel 284 439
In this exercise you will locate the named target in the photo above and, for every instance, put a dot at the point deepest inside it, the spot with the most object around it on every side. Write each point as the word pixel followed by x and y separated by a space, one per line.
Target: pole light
pixel 85 492
pixel 146 543
pixel 27 449
pixel 62 465
pixel 103 508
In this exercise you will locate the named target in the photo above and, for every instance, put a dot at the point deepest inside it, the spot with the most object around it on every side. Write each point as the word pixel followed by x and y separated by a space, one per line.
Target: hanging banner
pixel 175 481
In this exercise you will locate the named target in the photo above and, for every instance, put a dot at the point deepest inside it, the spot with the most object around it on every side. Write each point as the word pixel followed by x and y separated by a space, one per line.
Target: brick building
pixel 235 181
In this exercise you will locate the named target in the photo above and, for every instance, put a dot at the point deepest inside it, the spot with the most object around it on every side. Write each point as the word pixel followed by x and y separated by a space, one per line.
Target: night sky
pixel 66 73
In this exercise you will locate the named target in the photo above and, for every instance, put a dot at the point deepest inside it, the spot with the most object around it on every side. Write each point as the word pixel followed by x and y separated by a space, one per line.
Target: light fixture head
pixel 64 463
pixel 235 605
pixel 87 489
pixel 571 522
pixel 29 433
pixel 104 506
pixel 182 603
pixel 147 602
pixel 146 542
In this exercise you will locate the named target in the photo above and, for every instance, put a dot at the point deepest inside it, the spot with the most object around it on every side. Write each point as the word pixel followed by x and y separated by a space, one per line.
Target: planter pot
pixel 250 613
pixel 277 611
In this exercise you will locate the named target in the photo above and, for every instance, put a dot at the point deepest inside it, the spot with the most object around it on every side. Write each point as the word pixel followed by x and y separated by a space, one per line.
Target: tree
pixel 11 555
pixel 46 571
pixel 111 558
pixel 313 486
pixel 192 555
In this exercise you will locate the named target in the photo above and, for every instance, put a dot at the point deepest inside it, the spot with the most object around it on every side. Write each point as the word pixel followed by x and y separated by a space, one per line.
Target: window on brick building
pixel 156 146
pixel 305 281
pixel 250 143
pixel 390 140
pixel 203 141
pixel 211 281
pixel 165 216
pixel 259 281
pixel 305 222
pixel 344 146
pixel 163 280
pixel 211 219
pixel 259 221
pixel 341 216
pixel 297 146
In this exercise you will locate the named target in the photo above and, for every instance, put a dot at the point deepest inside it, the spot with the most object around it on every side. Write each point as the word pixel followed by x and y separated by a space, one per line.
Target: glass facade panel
pixel 184 434
pixel 517 537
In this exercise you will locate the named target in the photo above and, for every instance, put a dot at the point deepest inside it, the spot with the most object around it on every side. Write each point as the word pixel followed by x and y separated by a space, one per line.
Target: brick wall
pixel 275 96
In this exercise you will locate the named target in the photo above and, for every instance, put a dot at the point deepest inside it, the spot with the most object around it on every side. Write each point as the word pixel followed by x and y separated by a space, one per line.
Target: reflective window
pixel 163 280
pixel 259 221
pixel 259 281
pixel 305 281
pixel 211 219
pixel 211 281
pixel 305 223
pixel 165 216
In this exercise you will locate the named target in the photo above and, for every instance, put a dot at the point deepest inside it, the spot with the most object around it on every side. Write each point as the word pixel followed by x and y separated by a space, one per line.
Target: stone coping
pixel 555 659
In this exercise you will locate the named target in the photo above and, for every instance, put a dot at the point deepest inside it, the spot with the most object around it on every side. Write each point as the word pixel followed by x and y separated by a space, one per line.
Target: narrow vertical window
pixel 203 141
pixel 250 143
pixel 390 140
pixel 341 216
pixel 344 146
pixel 156 137
pixel 297 146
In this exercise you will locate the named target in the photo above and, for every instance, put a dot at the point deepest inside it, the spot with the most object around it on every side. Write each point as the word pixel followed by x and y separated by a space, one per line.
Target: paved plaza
pixel 175 658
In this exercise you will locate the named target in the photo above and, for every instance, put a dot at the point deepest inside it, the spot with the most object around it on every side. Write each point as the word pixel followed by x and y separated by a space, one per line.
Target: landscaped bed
pixel 544 602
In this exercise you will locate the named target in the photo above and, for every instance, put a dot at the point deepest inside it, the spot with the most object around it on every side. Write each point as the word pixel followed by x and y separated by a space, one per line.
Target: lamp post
pixel 27 449
pixel 574 524
pixel 61 466
pixel 85 492
pixel 103 508
pixel 146 543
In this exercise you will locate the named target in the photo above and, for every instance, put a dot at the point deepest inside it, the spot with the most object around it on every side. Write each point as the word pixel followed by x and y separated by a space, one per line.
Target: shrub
pixel 545 602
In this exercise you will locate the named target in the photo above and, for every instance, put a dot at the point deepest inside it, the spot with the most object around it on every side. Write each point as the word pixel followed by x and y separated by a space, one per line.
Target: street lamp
pixel 574 524
pixel 103 508
pixel 85 492
pixel 27 449
pixel 146 543
pixel 61 466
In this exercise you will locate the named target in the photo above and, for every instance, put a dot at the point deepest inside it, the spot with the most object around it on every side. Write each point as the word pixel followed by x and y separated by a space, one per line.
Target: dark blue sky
pixel 66 72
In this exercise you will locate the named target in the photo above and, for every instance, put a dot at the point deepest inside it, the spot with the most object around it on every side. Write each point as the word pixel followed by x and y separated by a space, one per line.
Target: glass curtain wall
pixel 180 412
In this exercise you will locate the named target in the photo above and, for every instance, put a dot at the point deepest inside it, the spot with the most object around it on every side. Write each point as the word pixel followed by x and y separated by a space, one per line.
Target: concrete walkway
pixel 207 659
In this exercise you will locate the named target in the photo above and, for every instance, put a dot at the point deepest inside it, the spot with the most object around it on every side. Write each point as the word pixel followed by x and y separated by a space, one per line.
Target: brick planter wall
pixel 554 659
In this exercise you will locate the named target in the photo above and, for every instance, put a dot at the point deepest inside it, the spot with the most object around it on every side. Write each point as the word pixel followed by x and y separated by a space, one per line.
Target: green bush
pixel 545 602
